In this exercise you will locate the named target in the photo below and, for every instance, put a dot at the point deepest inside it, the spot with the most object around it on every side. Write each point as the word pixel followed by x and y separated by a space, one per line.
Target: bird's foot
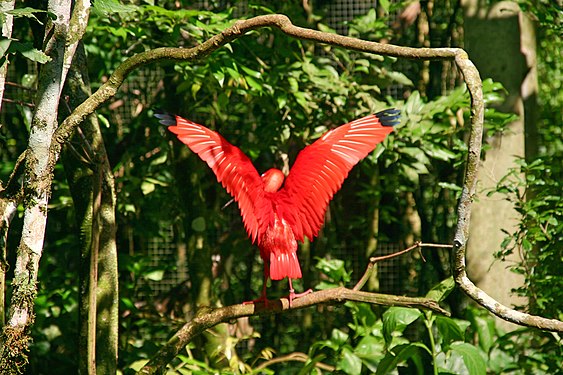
pixel 292 295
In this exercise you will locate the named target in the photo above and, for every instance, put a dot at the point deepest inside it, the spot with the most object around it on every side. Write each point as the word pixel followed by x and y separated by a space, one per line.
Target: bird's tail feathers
pixel 389 117
pixel 284 264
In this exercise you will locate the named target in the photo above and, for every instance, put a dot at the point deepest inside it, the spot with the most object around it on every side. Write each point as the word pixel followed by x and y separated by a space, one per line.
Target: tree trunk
pixel 16 335
pixel 61 38
pixel 93 192
pixel 495 40
pixel 5 6
pixel 7 205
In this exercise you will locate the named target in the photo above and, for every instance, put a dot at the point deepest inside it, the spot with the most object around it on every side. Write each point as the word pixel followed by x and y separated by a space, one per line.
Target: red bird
pixel 277 214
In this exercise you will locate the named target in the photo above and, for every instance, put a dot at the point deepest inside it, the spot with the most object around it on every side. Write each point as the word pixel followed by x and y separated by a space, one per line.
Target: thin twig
pixel 20 102
pixel 295 356
pixel 373 260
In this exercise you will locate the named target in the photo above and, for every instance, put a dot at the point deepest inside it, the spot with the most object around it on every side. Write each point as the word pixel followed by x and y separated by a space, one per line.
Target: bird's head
pixel 273 180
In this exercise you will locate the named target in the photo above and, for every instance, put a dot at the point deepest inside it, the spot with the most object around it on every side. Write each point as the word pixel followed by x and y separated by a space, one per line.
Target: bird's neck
pixel 273 180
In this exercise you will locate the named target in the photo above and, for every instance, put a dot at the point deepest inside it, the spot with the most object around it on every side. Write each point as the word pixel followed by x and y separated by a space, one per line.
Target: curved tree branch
pixel 208 317
pixel 238 29
pixel 473 81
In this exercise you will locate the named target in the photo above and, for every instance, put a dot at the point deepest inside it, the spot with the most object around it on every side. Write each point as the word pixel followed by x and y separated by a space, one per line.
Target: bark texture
pixel 92 187
pixel 498 29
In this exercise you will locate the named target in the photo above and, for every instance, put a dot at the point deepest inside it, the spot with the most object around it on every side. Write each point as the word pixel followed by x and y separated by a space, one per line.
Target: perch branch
pixel 208 317
pixel 373 260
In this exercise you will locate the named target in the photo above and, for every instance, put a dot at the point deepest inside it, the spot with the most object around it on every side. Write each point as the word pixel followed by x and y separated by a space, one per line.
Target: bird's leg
pixel 263 298
pixel 293 295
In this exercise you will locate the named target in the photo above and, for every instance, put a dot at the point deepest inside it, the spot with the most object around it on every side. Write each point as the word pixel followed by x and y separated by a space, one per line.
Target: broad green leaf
pixel 334 269
pixel 448 330
pixel 27 50
pixel 414 103
pixel 339 337
pixel 250 72
pixel 370 346
pixel 472 357
pixel 485 328
pixel 219 76
pixel 396 319
pixel 350 363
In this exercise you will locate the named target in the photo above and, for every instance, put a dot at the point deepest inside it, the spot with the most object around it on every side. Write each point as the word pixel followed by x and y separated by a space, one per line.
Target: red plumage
pixel 277 216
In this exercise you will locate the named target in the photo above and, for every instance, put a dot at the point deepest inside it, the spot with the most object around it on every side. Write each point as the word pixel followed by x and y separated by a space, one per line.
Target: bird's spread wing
pixel 231 166
pixel 320 169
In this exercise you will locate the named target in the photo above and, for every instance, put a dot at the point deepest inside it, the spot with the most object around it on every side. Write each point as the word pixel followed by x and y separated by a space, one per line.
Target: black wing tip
pixel 389 117
pixel 165 118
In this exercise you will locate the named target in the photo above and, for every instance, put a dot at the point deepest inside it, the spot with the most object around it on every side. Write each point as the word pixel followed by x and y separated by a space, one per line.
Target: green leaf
pixel 155 275
pixel 147 187
pixel 339 337
pixel 311 364
pixel 369 346
pixel 29 13
pixel 138 365
pixel 485 327
pixel 334 269
pixel 4 45
pixel 437 152
pixel 109 7
pixel 396 319
pixel 384 4
pixel 400 354
pixel 472 357
pixel 250 72
pixel 400 78
pixel 440 291
pixel 253 83
pixel 449 186
pixel 27 50
pixel 449 330
pixel 350 363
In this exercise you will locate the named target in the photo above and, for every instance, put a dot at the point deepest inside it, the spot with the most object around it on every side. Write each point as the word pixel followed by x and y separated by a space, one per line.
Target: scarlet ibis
pixel 277 211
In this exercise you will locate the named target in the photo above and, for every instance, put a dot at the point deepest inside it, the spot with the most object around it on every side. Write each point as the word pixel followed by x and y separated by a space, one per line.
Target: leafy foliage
pixel 535 191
